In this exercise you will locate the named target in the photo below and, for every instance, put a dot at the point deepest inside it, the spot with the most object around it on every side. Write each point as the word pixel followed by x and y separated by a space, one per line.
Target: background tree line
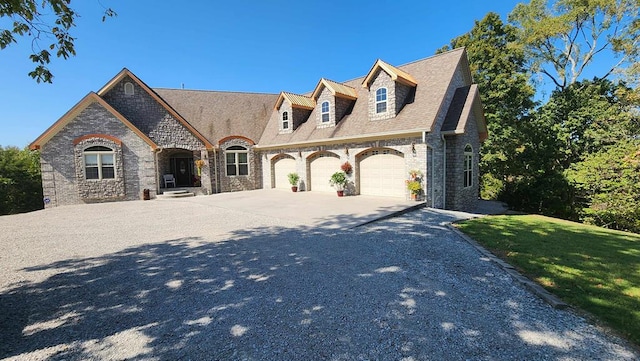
pixel 20 182
pixel 575 155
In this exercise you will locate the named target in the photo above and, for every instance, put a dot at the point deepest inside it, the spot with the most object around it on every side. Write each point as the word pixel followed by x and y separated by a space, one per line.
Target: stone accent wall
pixel 326 95
pixel 240 182
pixel 458 196
pixel 343 107
pixel 300 116
pixel 382 80
pixel 151 117
pixel 285 107
pixel 64 183
pixel 403 93
pixel 103 189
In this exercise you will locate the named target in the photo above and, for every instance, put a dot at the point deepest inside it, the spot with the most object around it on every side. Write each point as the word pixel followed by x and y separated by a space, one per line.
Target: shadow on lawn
pixel 274 293
pixel 595 269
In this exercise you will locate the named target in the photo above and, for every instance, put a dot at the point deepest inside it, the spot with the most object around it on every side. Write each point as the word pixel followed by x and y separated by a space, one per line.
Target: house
pixel 122 140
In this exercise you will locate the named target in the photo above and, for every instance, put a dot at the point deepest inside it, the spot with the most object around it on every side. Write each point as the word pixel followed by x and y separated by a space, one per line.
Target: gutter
pixel 344 139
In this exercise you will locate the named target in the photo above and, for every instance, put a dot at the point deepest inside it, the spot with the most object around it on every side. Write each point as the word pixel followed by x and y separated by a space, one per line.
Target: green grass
pixel 594 269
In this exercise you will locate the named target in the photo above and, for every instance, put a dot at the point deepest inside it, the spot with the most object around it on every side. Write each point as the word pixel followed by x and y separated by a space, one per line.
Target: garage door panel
pixel 281 169
pixel 382 175
pixel 321 169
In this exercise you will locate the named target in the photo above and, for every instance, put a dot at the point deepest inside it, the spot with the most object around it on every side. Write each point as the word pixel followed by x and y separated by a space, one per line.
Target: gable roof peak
pixel 337 89
pixel 396 74
pixel 296 101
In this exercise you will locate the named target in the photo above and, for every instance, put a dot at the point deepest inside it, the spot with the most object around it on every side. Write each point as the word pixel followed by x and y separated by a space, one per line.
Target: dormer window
pixel 381 100
pixel 324 111
pixel 128 88
pixel 285 120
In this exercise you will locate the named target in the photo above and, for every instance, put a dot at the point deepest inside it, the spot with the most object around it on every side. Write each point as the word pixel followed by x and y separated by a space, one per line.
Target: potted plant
pixel 414 184
pixel 346 167
pixel 339 181
pixel 293 180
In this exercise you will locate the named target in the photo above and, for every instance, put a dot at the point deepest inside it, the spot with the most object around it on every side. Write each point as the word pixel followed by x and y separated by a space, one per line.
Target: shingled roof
pixel 218 114
pixel 433 76
pixel 464 101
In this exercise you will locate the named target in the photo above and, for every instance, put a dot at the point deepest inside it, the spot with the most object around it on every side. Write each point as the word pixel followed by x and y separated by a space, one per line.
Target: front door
pixel 182 169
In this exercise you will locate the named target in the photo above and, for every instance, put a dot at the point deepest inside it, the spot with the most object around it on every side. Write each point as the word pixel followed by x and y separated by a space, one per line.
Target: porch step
pixel 179 193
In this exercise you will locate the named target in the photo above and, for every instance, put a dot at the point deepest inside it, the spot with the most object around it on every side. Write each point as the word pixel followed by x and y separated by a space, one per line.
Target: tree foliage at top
pixel 499 68
pixel 20 182
pixel 32 19
pixel 563 37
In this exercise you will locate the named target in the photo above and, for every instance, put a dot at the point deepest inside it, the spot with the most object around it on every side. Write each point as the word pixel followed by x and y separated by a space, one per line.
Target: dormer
pixel 389 90
pixel 333 102
pixel 293 110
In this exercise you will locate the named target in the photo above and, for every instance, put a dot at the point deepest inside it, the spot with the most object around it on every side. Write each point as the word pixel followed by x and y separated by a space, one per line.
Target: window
pixel 99 163
pixel 468 166
pixel 381 100
pixel 285 120
pixel 237 161
pixel 324 112
pixel 128 88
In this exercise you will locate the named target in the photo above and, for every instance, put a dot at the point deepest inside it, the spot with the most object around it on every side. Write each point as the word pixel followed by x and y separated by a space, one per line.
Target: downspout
pixel 444 173
pixel 433 168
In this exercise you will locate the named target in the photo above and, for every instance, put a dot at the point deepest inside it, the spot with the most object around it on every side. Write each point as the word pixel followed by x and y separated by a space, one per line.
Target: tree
pixel 30 18
pixel 562 40
pixel 498 67
pixel 20 181
pixel 608 186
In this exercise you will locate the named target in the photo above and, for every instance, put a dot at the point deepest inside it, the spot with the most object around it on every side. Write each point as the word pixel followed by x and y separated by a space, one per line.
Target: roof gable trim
pixel 296 101
pixel 337 89
pixel 396 74
pixel 75 111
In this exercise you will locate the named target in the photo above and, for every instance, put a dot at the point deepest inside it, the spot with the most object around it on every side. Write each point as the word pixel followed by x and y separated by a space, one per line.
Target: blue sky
pixel 255 46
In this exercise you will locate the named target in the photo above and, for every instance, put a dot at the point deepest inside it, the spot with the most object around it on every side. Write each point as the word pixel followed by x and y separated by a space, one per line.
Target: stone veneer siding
pixel 458 196
pixel 100 189
pixel 382 80
pixel 326 95
pixel 59 160
pixel 240 182
pixel 151 117
pixel 348 152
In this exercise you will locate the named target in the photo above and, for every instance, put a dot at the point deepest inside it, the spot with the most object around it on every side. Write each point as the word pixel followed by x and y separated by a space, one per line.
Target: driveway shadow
pixel 400 288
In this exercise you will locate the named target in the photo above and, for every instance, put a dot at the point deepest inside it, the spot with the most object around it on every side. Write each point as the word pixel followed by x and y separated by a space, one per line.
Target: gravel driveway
pixel 190 280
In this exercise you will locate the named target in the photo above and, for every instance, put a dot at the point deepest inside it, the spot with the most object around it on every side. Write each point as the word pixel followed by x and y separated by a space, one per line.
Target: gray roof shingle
pixel 219 114
pixel 433 75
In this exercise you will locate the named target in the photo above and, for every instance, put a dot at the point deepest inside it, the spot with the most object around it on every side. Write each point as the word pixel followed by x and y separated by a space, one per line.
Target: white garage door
pixel 322 167
pixel 382 173
pixel 281 168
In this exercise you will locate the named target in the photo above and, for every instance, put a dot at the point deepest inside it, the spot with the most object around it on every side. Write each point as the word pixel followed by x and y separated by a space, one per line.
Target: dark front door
pixel 182 169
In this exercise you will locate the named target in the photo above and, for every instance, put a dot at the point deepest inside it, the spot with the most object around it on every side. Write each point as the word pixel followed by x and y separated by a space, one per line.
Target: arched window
pixel 381 100
pixel 468 166
pixel 99 163
pixel 128 88
pixel 237 160
pixel 324 111
pixel 285 120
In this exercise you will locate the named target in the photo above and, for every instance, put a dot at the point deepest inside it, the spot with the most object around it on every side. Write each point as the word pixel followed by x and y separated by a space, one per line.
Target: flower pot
pixel 340 193
pixel 414 197
pixel 294 189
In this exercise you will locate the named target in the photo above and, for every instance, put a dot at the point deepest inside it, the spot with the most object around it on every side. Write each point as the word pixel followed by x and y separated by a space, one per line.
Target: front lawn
pixel 592 268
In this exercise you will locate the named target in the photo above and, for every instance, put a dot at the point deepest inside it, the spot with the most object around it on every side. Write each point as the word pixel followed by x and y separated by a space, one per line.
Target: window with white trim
pixel 468 166
pixel 324 111
pixel 99 163
pixel 128 88
pixel 285 120
pixel 381 100
pixel 237 158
